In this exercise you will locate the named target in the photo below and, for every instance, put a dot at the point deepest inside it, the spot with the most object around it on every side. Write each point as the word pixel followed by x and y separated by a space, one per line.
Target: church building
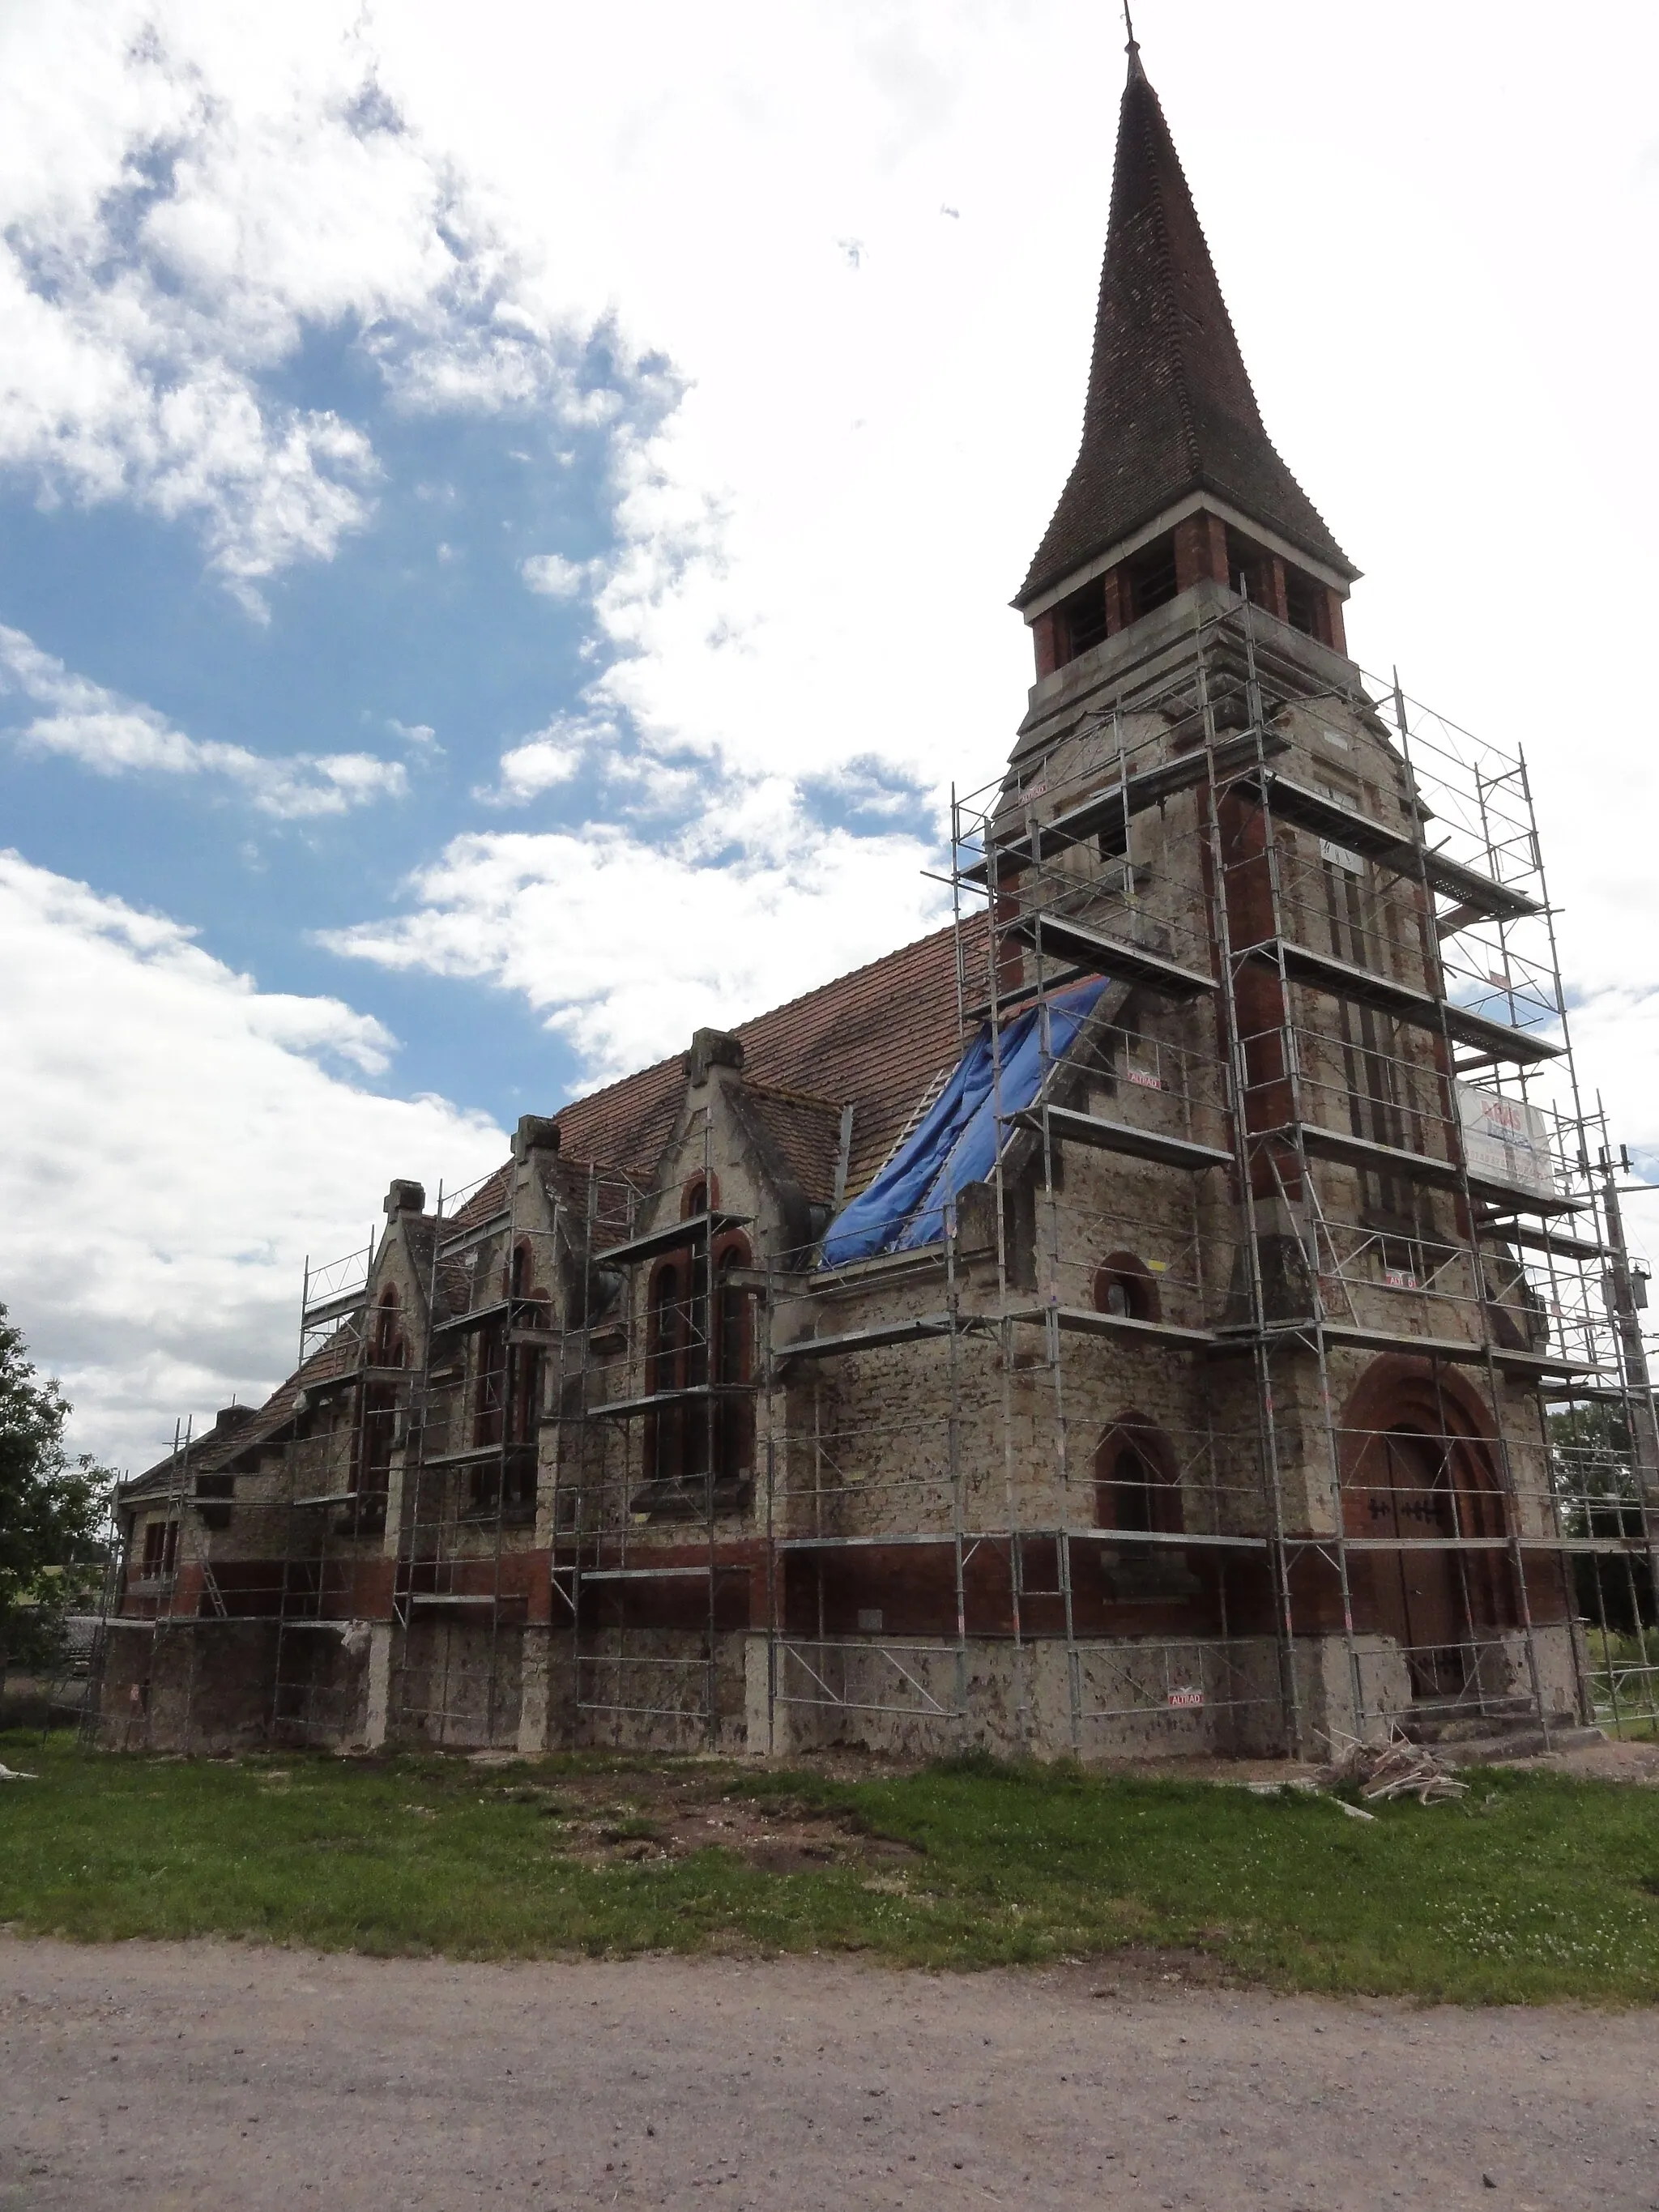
pixel 1134 1319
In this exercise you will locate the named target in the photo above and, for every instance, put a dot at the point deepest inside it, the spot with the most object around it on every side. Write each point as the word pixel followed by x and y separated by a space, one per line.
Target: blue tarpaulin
pixel 955 1144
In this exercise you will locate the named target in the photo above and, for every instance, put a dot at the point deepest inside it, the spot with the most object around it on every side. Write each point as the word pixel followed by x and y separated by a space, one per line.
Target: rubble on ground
pixel 1396 1768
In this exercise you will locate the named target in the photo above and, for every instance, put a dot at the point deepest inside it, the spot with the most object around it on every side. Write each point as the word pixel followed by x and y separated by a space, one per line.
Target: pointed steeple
pixel 1169 411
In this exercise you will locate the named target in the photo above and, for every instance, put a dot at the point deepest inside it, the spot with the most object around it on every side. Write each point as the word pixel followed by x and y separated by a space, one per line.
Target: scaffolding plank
pixel 1478 895
pixel 1186 1540
pixel 1422 1167
pixel 1112 957
pixel 1612 1547
pixel 1419 1543
pixel 1105 814
pixel 1085 1321
pixel 659 1574
pixel 1023 995
pixel 329 1386
pixel 1455 1350
pixel 623 1409
pixel 1555 1242
pixel 1363 1152
pixel 1323 971
pixel 334 1309
pixel 697 1229
pixel 479 1233
pixel 893 1538
pixel 878 1335
pixel 462 1324
pixel 1108 1136
pixel 971 1537
pixel 474 1456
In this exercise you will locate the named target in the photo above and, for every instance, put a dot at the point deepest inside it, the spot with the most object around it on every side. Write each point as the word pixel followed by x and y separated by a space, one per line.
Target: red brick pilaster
pixel 1117 602
pixel 1280 606
pixel 1201 550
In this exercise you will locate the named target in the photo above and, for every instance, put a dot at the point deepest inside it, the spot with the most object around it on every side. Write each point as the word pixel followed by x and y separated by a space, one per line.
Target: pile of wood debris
pixel 1397 1768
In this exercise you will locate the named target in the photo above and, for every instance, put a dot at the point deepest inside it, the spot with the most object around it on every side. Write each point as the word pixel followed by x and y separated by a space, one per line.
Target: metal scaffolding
pixel 1317 1101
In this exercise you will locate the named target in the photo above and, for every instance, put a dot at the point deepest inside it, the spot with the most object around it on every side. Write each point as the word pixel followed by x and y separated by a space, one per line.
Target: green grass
pixel 1535 1887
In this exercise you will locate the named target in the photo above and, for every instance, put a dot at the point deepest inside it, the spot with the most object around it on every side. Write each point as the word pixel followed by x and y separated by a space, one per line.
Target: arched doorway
pixel 1421 1492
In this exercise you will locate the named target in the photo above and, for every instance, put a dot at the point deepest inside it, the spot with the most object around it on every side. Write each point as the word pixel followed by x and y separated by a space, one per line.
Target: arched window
pixel 489 1381
pixel 1126 1287
pixel 665 1346
pixel 692 1340
pixel 1137 1483
pixel 507 1393
pixel 699 1194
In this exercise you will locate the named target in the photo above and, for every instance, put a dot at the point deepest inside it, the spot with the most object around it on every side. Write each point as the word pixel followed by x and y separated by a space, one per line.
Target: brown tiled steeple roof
pixel 1170 410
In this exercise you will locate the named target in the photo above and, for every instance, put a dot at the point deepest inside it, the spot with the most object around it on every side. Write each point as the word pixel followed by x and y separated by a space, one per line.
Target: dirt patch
pixel 1612 1761
pixel 1141 1970
pixel 605 1819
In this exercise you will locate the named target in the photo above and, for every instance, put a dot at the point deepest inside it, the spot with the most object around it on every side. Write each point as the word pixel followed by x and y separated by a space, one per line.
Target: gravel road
pixel 151 2075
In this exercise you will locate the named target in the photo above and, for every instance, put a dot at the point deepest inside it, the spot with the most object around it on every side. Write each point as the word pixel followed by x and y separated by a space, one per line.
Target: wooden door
pixel 1421 1597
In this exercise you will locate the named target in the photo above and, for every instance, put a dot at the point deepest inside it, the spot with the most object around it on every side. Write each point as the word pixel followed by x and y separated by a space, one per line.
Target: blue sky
pixel 507 512
pixel 420 622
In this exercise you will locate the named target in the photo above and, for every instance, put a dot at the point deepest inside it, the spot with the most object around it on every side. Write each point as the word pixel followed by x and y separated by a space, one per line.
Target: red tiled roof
pixel 872 1040
pixel 803 1131
pixel 214 1448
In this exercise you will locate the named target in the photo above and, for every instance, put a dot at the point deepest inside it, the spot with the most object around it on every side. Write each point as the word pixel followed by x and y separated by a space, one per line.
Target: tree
pixel 52 1507
pixel 1593 1473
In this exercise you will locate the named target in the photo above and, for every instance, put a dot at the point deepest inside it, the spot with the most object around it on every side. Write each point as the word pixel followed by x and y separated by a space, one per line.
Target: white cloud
pixel 555 578
pixel 625 948
pixel 119 737
pixel 173 1142
pixel 421 736
pixel 553 755
pixel 207 186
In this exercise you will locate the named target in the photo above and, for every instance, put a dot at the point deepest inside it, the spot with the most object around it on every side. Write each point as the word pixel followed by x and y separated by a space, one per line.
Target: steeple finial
pixel 1133 48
